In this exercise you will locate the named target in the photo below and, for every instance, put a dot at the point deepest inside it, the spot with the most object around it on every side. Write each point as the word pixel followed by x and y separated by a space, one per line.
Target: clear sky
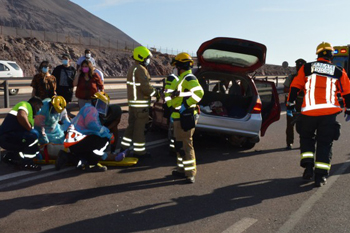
pixel 290 29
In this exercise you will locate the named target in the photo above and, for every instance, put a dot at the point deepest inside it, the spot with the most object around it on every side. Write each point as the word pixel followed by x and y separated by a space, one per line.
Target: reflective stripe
pixel 24 109
pixel 35 142
pixel 127 139
pixel 168 91
pixel 186 94
pixel 180 165
pixel 172 145
pixel 324 166
pixel 188 161
pixel 138 101
pixel 307 155
pixel 100 152
pixel 154 92
pixel 168 98
pixel 140 149
pixel 319 106
pixel 179 159
pixel 28 155
pixel 13 112
pixel 139 105
pixel 133 84
pixel 190 168
pixel 197 88
pixel 125 144
pixel 196 97
pixel 139 144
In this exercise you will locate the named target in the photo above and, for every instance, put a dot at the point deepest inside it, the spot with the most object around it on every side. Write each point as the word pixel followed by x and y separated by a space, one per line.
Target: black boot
pixel 320 180
pixel 308 172
pixel 61 160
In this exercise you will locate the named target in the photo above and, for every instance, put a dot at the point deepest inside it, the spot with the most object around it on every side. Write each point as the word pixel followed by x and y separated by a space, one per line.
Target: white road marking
pixel 35 177
pixel 23 173
pixel 308 204
pixel 241 225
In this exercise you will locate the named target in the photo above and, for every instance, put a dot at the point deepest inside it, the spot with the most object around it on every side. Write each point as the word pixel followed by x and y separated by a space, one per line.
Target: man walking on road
pixel 188 92
pixel 317 125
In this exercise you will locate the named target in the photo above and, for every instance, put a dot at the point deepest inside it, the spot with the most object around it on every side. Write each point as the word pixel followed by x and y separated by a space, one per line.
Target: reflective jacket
pixel 139 90
pixel 190 93
pixel 169 88
pixel 321 81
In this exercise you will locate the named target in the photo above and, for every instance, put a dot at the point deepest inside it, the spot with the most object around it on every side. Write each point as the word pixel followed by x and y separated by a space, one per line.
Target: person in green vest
pixel 18 136
pixel 187 93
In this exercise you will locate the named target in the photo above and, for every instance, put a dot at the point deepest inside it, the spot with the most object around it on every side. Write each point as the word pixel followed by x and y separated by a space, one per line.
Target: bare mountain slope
pixel 57 16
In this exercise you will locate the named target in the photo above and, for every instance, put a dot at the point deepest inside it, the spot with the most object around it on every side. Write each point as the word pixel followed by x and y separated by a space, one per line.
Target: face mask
pixel 147 61
pixel 88 55
pixel 45 69
pixel 65 62
pixel 175 71
pixel 85 69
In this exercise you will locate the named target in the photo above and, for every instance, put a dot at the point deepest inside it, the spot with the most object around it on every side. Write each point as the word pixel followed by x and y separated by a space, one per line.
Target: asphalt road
pixel 254 191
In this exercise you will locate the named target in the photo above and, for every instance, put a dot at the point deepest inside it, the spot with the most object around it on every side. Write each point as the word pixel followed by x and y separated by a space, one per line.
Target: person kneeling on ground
pixel 52 120
pixel 87 139
pixel 18 137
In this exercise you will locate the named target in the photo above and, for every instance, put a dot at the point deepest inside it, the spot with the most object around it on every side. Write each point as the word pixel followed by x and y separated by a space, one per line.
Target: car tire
pixel 13 91
pixel 248 145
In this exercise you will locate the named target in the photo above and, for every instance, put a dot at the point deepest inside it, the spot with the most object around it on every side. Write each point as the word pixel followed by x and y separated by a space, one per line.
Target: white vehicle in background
pixel 10 69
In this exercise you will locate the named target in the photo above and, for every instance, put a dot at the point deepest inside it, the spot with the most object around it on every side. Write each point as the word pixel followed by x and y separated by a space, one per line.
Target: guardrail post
pixel 276 81
pixel 6 94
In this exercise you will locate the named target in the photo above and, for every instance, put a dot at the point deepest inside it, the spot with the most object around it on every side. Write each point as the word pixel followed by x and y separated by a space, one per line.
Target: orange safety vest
pixel 321 81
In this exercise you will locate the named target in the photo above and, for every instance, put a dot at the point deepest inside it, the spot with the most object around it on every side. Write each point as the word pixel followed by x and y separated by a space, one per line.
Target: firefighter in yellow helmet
pixel 317 124
pixel 187 93
pixel 139 93
pixel 52 120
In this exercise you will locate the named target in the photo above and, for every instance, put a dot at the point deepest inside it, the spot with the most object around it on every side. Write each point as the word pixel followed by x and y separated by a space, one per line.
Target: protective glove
pixel 290 112
pixel 183 108
pixel 347 114
pixel 290 108
pixel 171 120
pixel 34 131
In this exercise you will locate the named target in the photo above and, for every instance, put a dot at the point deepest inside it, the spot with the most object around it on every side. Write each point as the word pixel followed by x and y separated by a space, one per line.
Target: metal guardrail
pixel 18 83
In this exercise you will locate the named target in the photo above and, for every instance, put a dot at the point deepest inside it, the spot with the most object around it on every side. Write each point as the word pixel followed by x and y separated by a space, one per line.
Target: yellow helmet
pixel 101 95
pixel 141 53
pixel 323 47
pixel 59 103
pixel 183 58
pixel 102 102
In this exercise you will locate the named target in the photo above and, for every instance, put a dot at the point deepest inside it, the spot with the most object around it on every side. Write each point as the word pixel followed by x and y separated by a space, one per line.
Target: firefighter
pixel 170 84
pixel 290 117
pixel 87 139
pixel 139 93
pixel 317 125
pixel 18 137
pixel 188 92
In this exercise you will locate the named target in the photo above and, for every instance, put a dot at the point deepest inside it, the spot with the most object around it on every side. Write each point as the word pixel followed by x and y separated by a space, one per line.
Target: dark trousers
pixel 316 136
pixel 290 129
pixel 90 148
pixel 23 142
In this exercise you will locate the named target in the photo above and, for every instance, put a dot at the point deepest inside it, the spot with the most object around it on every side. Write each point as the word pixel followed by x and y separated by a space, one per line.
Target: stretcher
pixel 127 161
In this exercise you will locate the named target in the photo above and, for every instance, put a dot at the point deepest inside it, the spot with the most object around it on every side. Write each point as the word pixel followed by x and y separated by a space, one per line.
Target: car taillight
pixel 257 106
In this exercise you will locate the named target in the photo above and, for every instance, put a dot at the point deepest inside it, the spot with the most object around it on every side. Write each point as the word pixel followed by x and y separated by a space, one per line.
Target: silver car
pixel 234 104
pixel 10 69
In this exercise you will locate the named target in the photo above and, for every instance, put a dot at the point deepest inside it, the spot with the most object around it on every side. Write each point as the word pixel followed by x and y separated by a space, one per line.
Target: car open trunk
pixel 226 94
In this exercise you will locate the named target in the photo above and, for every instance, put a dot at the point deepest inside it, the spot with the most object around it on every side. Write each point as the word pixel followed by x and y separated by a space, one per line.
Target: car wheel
pixel 248 145
pixel 13 91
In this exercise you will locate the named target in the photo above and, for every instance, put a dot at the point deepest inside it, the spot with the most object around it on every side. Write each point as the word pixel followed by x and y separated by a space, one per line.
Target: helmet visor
pixel 101 107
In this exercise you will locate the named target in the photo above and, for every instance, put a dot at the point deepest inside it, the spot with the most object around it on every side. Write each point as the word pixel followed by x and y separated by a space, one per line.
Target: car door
pixel 271 109
pixel 5 71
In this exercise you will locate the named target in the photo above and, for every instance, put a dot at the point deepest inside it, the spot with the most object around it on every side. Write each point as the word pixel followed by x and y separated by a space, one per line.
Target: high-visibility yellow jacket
pixel 139 90
pixel 169 88
pixel 190 93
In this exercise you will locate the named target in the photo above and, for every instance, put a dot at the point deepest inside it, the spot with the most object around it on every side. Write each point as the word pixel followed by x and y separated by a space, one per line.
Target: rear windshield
pixel 14 65
pixel 231 58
